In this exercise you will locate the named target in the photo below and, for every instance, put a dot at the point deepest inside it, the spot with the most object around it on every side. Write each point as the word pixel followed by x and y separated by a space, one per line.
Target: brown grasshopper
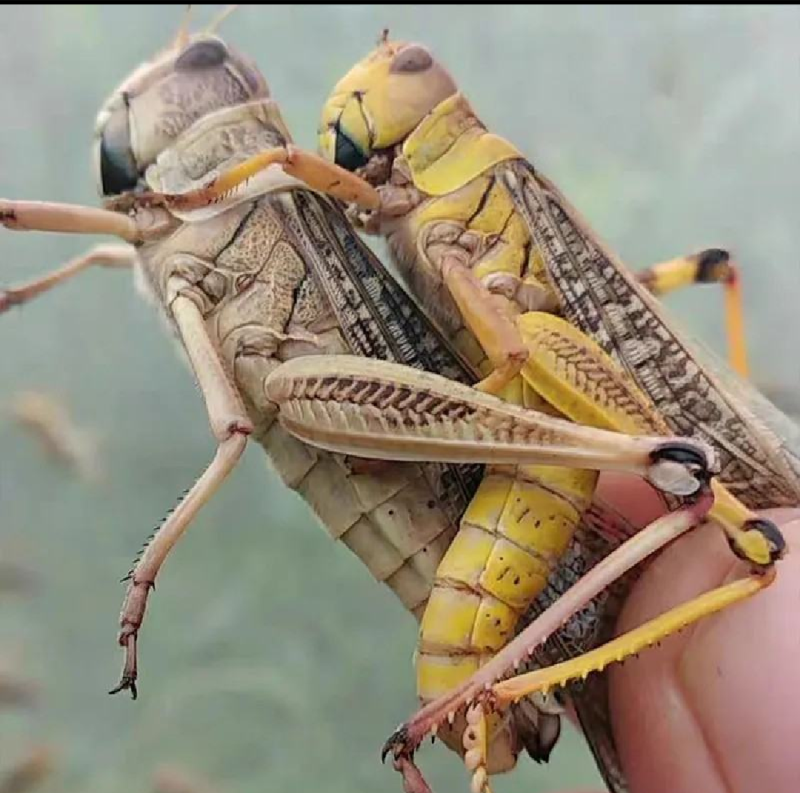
pixel 249 268
pixel 250 284
pixel 497 252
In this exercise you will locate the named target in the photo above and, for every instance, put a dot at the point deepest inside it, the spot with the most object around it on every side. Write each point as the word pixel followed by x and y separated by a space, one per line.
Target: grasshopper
pixel 249 284
pixel 555 322
pixel 250 265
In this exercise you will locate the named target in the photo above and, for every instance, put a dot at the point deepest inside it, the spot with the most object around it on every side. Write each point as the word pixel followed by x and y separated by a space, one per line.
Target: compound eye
pixel 118 171
pixel 202 55
pixel 411 60
pixel 348 155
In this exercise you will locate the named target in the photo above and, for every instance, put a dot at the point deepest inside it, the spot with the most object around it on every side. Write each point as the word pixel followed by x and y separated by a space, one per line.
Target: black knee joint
pixel 770 532
pixel 713 265
pixel 687 455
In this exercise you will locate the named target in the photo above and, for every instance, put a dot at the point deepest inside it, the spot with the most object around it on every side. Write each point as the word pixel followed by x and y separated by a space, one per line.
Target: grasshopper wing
pixel 697 396
pixel 603 299
pixel 377 317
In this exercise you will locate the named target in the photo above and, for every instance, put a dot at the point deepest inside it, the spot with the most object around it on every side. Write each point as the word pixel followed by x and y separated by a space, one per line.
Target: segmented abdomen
pixel 512 536
pixel 261 272
pixel 393 519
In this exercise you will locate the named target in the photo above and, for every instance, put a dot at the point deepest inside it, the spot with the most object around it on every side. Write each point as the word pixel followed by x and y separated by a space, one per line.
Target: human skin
pixel 716 708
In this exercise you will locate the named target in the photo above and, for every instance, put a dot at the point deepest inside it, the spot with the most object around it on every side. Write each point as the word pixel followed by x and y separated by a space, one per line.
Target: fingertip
pixel 712 708
pixel 660 744
pixel 740 672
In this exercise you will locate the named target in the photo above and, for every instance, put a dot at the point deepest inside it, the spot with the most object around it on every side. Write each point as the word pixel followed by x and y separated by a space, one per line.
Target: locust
pixel 241 242
pixel 245 286
pixel 557 325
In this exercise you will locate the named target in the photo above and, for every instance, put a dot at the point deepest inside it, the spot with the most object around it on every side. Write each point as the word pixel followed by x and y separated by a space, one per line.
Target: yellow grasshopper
pixel 555 322
pixel 250 268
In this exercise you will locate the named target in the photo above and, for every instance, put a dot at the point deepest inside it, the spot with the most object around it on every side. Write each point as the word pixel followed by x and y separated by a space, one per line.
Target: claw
pixel 403 750
pixel 397 743
pixel 131 620
pixel 127 681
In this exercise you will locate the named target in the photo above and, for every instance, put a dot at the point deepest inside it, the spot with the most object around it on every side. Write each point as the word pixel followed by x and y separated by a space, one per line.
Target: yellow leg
pixel 100 255
pixel 510 691
pixel 575 376
pixel 709 266
pixel 630 643
pixel 495 331
pixel 734 324
pixel 312 170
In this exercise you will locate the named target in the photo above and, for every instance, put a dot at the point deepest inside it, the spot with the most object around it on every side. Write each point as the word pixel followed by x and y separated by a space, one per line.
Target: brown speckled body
pixel 256 275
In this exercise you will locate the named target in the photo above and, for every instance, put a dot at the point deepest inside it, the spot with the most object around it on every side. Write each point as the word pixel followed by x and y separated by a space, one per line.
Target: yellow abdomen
pixel 512 536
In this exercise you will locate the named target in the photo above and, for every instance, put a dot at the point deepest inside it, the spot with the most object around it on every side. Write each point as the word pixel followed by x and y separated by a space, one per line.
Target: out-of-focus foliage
pixel 270 660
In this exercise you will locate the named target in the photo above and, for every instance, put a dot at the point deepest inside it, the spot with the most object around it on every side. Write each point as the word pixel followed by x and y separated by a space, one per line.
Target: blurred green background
pixel 270 660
